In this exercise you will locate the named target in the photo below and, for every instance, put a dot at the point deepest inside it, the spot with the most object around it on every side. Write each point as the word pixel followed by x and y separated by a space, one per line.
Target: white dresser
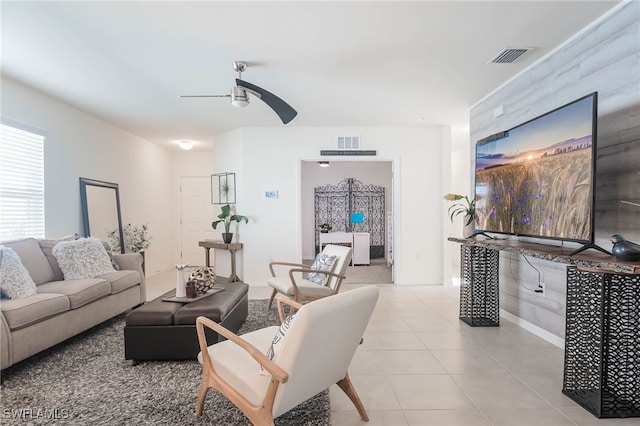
pixel 358 241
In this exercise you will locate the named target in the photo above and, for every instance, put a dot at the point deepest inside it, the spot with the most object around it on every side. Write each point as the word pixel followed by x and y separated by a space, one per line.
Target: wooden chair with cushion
pixel 301 365
pixel 311 282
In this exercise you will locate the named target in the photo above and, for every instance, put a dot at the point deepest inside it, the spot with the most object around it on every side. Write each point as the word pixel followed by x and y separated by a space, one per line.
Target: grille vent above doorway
pixel 509 55
pixel 348 142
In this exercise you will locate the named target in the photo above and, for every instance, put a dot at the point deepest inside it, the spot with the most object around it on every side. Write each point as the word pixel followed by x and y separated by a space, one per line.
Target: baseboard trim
pixel 532 328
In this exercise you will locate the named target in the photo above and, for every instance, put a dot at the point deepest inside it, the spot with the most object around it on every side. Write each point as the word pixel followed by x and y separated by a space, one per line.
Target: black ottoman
pixel 160 330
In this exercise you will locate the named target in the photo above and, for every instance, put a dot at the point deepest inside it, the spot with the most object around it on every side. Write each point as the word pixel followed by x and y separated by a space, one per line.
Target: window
pixel 21 184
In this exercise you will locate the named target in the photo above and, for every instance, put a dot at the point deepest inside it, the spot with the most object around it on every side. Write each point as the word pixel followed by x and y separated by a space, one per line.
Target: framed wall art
pixel 223 188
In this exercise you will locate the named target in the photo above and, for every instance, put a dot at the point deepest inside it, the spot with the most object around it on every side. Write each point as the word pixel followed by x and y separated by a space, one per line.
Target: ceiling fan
pixel 240 96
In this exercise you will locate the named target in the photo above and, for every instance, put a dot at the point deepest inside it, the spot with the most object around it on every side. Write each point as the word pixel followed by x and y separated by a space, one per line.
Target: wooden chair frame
pixel 261 415
pixel 302 269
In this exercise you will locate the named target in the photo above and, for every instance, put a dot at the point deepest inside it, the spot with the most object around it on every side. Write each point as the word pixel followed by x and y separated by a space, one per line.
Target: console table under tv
pixel 602 338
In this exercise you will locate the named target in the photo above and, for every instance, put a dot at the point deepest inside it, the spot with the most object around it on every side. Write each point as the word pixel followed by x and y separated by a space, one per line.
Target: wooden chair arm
pixel 317 271
pixel 272 264
pixel 306 270
pixel 201 322
pixel 293 305
pixel 335 288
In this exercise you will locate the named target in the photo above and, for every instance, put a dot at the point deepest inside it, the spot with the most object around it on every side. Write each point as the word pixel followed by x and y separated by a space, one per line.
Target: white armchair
pixel 292 279
pixel 303 365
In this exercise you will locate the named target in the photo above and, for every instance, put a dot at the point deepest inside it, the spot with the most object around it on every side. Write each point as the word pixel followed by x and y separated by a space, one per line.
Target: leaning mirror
pixel 101 211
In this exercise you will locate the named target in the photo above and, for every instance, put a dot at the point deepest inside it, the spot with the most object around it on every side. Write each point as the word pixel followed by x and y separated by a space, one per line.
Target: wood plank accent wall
pixel 604 58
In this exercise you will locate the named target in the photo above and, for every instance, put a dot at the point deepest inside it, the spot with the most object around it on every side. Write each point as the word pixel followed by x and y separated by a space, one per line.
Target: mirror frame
pixel 84 182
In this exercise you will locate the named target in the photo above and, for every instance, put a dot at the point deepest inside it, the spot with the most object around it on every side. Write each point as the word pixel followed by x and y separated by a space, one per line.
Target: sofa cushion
pixel 82 258
pixel 47 249
pixel 33 259
pixel 79 292
pixel 15 281
pixel 23 312
pixel 122 280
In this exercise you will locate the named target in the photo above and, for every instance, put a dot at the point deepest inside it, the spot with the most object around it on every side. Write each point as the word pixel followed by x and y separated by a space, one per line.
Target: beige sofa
pixel 63 308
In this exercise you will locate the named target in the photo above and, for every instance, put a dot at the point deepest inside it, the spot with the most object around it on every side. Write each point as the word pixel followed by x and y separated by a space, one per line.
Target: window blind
pixel 21 184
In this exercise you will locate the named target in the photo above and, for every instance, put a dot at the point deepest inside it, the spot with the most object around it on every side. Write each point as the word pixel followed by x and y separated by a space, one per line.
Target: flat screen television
pixel 537 179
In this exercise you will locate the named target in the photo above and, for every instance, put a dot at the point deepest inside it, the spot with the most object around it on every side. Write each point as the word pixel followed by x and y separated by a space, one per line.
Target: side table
pixel 221 245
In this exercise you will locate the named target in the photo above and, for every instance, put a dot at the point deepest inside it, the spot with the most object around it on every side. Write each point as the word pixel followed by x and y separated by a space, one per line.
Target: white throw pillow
pixel 323 262
pixel 15 281
pixel 114 264
pixel 82 258
pixel 278 340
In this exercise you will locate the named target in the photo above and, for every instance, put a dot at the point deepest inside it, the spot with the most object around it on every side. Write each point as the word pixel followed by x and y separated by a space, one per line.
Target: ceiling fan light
pixel 239 97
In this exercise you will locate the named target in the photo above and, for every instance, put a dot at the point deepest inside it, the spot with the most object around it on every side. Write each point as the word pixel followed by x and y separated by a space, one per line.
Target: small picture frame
pixel 223 188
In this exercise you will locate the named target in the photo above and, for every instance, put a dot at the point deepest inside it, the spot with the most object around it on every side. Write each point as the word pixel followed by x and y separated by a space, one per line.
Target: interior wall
pixel 271 161
pixel 80 145
pixel 190 164
pixel 605 57
pixel 227 156
pixel 461 183
pixel 368 172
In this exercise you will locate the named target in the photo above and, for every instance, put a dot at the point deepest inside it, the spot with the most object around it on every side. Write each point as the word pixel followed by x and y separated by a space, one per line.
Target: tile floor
pixel 420 365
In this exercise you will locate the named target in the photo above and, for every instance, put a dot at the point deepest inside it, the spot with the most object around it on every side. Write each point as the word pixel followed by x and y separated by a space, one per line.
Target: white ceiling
pixel 349 63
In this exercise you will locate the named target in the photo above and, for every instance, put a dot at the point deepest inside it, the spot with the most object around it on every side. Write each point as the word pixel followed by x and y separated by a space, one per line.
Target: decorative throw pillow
pixel 107 247
pixel 15 280
pixel 323 262
pixel 82 258
pixel 278 340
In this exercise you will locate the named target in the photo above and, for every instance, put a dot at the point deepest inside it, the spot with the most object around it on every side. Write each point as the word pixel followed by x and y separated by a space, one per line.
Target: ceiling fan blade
pixel 205 96
pixel 283 109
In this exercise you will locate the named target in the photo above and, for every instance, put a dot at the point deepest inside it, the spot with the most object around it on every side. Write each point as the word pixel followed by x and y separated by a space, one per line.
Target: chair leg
pixel 202 393
pixel 346 385
pixel 273 296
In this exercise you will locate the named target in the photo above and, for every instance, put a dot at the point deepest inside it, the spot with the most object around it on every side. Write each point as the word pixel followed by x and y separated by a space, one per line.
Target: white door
pixel 196 215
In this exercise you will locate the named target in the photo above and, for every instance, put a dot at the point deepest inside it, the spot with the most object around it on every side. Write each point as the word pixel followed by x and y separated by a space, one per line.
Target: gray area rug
pixel 87 381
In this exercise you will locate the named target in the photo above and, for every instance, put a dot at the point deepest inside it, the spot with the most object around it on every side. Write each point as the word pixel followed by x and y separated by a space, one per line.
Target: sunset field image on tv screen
pixel 538 179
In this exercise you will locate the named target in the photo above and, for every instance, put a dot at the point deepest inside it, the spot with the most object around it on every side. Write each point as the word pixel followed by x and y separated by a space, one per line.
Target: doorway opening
pixel 373 211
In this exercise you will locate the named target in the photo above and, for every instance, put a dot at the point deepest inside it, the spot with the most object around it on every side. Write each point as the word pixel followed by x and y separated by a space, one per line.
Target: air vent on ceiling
pixel 348 142
pixel 509 55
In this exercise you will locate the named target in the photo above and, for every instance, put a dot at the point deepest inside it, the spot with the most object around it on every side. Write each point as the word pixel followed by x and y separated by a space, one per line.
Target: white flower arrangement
pixel 136 238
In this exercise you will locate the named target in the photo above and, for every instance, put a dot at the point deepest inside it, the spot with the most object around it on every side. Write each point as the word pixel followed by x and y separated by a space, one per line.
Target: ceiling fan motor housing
pixel 239 97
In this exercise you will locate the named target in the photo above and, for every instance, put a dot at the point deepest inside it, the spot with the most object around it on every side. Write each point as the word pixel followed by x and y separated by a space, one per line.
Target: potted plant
pixel 325 227
pixel 468 207
pixel 226 217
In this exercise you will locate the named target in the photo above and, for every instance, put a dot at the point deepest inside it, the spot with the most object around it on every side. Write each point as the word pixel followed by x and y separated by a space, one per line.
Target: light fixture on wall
pixel 186 145
pixel 323 163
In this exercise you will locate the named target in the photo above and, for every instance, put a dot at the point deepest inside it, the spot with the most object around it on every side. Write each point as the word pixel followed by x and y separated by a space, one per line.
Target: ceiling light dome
pixel 186 145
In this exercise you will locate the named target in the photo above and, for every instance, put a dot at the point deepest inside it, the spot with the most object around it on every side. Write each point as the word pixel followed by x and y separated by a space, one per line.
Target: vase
pixel 227 237
pixel 469 229
pixel 181 290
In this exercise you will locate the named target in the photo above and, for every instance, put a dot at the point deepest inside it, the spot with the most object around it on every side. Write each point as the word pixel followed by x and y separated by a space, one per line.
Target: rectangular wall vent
pixel 509 55
pixel 348 142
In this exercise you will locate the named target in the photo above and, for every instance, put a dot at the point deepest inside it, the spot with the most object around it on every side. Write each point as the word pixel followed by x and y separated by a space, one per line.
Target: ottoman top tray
pixel 207 293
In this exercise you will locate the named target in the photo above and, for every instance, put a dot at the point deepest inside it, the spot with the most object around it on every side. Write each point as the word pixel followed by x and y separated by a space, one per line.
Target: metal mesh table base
pixel 479 287
pixel 602 343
